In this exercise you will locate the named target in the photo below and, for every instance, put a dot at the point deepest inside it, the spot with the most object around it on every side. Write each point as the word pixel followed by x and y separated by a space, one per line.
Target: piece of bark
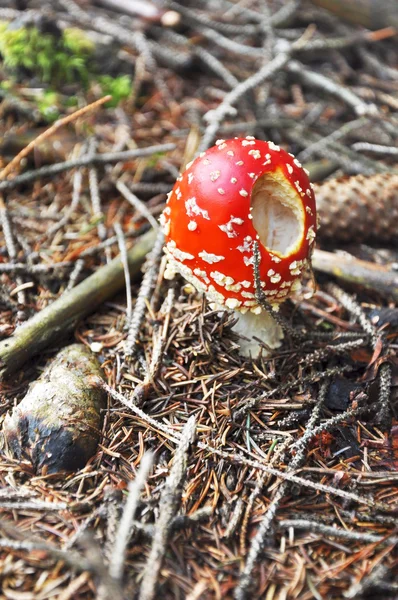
pixel 57 424
pixel 359 208
pixel 58 318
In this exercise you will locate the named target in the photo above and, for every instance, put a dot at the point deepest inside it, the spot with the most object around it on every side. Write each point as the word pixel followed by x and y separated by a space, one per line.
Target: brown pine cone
pixel 358 209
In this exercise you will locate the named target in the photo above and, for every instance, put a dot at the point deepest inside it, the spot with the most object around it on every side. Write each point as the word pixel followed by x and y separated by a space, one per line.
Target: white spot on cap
pixel 190 177
pixel 310 234
pixel 234 180
pixel 246 246
pixel 219 142
pixel 255 154
pixel 231 153
pixel 248 143
pixel 276 259
pixel 243 193
pixel 276 278
pixel 228 227
pixel 248 260
pixel 297 163
pixel 232 303
pixel 193 210
pixel 180 255
pixel 210 258
pixel 240 163
pixel 192 225
pixel 273 147
pixel 289 169
pixel 246 284
pixel 221 191
pixel 189 165
pixel 200 273
pixel 214 175
pixel 221 279
pixel 271 272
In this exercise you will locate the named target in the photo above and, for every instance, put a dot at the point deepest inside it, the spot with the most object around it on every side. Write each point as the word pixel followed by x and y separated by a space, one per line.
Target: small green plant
pixel 52 59
pixel 118 87
pixel 48 103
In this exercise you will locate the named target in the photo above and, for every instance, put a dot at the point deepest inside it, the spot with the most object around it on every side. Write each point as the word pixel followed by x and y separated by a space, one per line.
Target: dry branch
pixel 59 317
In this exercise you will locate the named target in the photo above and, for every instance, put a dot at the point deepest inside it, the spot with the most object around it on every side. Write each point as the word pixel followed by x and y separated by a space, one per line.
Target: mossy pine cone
pixel 359 209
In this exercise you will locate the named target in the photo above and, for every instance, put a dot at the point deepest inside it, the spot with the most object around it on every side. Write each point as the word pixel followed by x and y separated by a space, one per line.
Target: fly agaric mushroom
pixel 239 192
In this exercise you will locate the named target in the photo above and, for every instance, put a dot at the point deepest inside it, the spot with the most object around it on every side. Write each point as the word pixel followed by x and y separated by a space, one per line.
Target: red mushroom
pixel 238 192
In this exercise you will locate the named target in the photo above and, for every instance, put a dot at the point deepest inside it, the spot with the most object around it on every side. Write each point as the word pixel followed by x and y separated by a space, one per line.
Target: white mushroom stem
pixel 264 327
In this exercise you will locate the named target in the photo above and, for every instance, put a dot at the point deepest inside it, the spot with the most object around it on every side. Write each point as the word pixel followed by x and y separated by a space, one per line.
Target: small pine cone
pixel 358 209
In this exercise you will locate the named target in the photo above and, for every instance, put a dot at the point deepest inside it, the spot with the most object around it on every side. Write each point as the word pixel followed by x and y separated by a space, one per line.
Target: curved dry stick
pixel 53 321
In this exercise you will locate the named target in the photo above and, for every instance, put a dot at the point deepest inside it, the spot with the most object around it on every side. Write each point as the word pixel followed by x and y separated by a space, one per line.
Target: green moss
pixel 53 60
pixel 119 88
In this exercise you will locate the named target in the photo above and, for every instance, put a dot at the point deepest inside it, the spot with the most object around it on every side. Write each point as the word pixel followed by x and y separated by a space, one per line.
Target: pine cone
pixel 359 209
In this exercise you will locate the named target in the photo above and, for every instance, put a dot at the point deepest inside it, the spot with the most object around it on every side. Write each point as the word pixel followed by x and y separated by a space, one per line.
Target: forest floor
pixel 272 478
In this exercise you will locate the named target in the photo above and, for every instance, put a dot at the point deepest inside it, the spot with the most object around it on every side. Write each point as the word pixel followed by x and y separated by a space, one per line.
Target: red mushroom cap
pixel 239 191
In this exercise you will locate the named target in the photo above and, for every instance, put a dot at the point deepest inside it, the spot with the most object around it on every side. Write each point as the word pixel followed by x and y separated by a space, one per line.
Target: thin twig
pixel 117 563
pixel 169 502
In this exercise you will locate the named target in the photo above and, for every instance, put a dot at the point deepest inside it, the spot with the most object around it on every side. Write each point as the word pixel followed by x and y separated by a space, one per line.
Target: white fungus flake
pixel 255 154
pixel 276 278
pixel 214 175
pixel 232 303
pixel 193 210
pixel 243 193
pixel 240 163
pixel 192 225
pixel 289 169
pixel 234 180
pixel 310 234
pixel 249 261
pixel 246 246
pixel 228 227
pixel 221 279
pixel 221 191
pixel 209 257
pixel 273 147
pixel 248 143
pixel 190 177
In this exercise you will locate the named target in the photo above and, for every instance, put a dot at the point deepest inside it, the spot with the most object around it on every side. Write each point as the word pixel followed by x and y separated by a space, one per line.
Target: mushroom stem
pixel 262 326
